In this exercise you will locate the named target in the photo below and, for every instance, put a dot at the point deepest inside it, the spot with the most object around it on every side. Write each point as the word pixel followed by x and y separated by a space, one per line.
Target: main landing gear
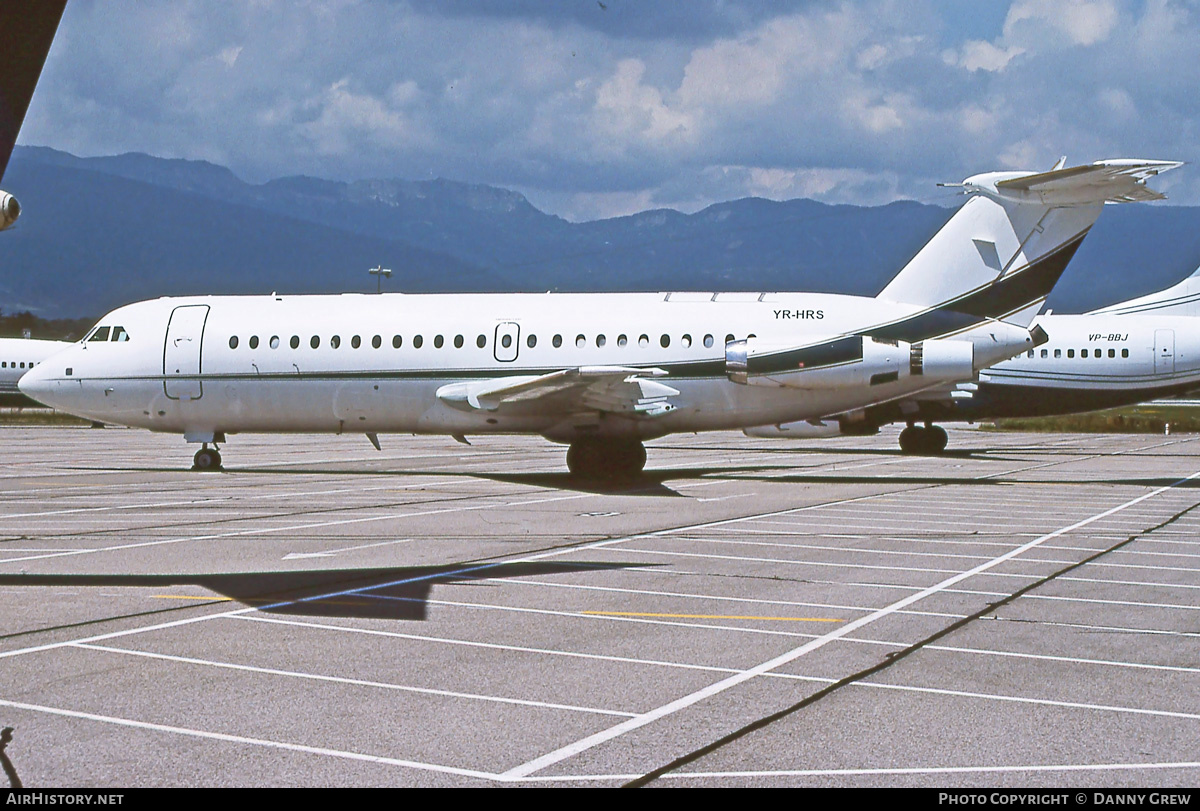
pixel 929 440
pixel 606 460
pixel 207 459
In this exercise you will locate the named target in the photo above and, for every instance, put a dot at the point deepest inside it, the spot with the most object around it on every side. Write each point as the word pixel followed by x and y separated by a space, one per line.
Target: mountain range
pixel 99 232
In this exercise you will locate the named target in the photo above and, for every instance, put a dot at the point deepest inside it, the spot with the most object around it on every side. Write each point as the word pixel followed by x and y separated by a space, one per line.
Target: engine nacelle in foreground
pixel 10 209
pixel 855 360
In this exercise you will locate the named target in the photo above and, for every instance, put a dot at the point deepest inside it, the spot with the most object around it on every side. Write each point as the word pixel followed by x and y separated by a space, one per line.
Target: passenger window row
pixel 506 341
pixel 1083 353
pixel 4 364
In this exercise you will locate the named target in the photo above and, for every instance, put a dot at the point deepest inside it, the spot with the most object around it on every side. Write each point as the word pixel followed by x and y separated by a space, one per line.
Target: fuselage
pixel 374 364
pixel 1092 361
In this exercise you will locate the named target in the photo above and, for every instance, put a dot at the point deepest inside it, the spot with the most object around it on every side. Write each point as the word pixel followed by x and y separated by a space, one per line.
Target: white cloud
pixel 875 116
pixel 229 56
pixel 1021 155
pixel 626 107
pixel 857 97
pixel 757 67
pixel 347 117
pixel 1118 102
pixel 980 55
pixel 1084 22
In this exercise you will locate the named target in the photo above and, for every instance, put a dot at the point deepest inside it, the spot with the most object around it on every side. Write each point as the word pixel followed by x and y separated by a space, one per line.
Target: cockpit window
pixel 101 334
pixel 119 334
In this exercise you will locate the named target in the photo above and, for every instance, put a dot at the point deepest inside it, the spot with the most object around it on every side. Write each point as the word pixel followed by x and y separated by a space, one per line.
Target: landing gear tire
pixel 207 459
pixel 606 461
pixel 928 441
pixel 936 436
pixel 910 439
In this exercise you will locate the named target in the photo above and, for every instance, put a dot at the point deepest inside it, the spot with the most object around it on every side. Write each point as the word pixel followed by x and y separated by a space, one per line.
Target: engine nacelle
pixel 817 429
pixel 943 359
pixel 10 209
pixel 855 360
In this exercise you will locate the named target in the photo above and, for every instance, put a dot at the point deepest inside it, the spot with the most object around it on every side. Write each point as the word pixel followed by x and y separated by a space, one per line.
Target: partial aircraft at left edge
pixel 27 29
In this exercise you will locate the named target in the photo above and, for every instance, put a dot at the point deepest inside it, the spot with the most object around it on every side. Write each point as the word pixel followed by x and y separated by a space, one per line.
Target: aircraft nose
pixel 37 385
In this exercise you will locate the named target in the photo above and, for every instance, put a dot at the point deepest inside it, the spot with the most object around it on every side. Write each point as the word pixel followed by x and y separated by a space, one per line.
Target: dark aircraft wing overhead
pixel 26 30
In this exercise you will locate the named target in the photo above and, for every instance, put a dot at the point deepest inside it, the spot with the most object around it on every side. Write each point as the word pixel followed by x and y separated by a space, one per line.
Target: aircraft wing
pixel 613 389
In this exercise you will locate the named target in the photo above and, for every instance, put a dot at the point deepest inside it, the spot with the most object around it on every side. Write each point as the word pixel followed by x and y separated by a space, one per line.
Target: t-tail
pixel 1001 254
pixel 970 295
pixel 28 28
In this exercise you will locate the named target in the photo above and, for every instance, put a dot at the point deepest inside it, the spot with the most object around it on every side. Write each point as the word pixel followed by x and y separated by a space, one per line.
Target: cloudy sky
pixel 600 108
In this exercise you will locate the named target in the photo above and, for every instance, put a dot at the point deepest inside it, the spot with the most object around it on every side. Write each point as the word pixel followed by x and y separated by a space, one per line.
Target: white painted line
pixel 867 550
pixel 220 736
pixel 566 752
pixel 1120 629
pixel 391 516
pixel 591 617
pixel 355 682
pixel 517 581
pixel 1096 601
pixel 1045 702
pixel 328 553
pixel 792 562
pixel 257 531
pixel 489 645
pixel 1138 583
pixel 405 581
pixel 1048 658
pixel 234 497
pixel 868 772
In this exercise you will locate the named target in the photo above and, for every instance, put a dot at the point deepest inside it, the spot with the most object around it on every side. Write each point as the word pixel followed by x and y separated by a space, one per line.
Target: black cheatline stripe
pixel 1010 294
pixel 1119 309
pixel 679 370
pixel 831 353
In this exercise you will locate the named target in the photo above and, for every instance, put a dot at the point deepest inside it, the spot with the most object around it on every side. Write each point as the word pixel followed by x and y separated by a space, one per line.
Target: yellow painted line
pixel 191 597
pixel 709 616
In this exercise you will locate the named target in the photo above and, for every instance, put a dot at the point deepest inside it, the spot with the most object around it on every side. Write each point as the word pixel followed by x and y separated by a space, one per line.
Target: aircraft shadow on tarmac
pixel 653 482
pixel 649 483
pixel 400 593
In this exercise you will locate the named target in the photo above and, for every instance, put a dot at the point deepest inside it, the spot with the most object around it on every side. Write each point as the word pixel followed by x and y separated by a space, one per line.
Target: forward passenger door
pixel 181 353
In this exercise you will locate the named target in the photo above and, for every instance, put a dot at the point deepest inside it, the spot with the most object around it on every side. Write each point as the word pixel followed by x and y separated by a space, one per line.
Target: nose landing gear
pixel 929 440
pixel 207 459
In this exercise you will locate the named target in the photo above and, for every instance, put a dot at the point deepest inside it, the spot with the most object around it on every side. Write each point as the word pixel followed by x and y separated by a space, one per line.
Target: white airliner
pixel 18 356
pixel 600 372
pixel 1137 350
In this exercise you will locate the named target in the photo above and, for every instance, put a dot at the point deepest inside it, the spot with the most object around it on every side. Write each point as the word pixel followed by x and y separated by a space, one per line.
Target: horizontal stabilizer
pixel 1121 180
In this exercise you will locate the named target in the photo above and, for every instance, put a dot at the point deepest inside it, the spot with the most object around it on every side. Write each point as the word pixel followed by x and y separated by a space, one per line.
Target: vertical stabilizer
pixel 1179 299
pixel 26 30
pixel 1001 254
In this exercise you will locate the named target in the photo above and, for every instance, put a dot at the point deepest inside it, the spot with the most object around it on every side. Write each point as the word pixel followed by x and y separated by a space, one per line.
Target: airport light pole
pixel 379 271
